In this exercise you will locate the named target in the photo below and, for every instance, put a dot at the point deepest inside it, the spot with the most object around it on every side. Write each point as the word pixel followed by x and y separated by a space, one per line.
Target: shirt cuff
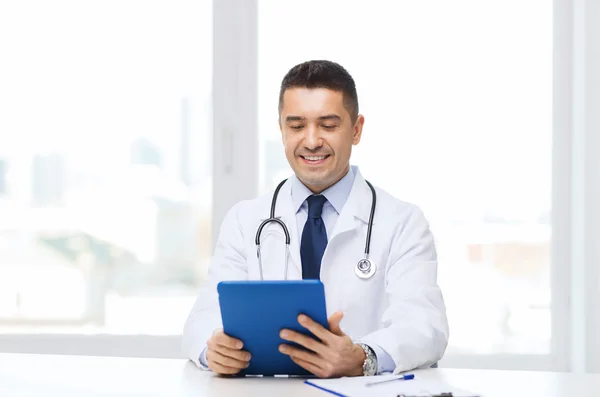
pixel 202 359
pixel 385 363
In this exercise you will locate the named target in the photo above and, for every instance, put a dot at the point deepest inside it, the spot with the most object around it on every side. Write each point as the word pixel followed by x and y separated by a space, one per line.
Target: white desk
pixel 68 376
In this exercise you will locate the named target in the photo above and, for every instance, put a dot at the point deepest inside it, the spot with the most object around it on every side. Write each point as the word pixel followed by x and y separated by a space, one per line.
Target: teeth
pixel 314 158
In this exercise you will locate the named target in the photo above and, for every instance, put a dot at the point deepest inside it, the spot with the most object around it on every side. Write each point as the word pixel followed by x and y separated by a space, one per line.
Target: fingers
pixel 304 355
pixel 303 340
pixel 334 323
pixel 239 355
pixel 218 366
pixel 317 329
pixel 312 368
pixel 227 346
pixel 224 355
pixel 225 361
pixel 222 339
pixel 221 369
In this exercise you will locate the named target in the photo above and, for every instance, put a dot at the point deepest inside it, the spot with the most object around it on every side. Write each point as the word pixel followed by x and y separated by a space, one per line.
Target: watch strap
pixel 370 363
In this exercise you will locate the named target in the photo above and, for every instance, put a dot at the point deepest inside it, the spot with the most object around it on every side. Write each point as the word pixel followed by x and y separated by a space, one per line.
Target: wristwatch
pixel 370 363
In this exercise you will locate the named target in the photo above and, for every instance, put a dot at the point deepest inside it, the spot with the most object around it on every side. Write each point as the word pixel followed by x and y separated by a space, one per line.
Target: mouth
pixel 314 160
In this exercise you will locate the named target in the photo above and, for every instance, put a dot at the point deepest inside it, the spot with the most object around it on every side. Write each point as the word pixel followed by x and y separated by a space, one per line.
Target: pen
pixel 433 395
pixel 403 377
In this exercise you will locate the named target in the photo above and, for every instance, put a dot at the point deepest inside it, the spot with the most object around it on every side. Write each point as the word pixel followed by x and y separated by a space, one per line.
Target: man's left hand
pixel 334 356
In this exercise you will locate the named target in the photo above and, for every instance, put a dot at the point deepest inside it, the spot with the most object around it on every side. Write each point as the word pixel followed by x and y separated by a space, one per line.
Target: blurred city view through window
pixel 106 160
pixel 457 99
pixel 105 164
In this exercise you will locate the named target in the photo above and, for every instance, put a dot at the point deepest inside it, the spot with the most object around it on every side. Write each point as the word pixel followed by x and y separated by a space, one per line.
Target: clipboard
pixel 256 311
pixel 388 386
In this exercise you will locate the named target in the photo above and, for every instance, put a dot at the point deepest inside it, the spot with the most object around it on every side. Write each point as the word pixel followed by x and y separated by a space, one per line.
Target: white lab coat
pixel 400 308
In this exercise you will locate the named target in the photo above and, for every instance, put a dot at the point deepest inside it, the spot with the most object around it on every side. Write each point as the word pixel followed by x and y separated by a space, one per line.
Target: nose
pixel 312 138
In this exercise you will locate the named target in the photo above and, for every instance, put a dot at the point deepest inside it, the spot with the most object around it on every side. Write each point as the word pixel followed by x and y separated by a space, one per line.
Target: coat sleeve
pixel 227 263
pixel 414 328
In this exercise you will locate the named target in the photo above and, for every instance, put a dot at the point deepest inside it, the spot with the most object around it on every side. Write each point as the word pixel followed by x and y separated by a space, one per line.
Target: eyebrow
pixel 321 118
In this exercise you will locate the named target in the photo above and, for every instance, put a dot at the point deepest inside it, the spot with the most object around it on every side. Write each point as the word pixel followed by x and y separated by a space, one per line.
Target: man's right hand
pixel 224 354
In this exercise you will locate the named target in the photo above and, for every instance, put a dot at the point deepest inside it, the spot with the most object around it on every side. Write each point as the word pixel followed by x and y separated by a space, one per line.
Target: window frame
pixel 235 176
pixel 575 274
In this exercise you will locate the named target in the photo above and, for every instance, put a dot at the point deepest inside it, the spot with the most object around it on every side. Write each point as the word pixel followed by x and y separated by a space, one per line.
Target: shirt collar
pixel 336 194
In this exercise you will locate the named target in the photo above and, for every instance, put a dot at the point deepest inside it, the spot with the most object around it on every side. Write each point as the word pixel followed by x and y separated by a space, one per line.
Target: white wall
pixel 591 128
pixel 235 110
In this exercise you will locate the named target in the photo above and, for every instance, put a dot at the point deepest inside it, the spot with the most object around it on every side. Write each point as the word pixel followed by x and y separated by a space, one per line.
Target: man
pixel 392 321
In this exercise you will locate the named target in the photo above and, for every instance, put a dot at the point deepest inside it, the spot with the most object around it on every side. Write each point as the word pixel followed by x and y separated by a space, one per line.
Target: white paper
pixel 356 387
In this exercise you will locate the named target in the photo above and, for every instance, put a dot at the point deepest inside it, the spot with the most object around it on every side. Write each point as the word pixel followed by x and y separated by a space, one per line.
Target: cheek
pixel 342 145
pixel 289 146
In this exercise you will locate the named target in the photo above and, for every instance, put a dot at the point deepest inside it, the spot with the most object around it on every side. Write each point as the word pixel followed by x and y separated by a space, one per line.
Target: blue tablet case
pixel 256 311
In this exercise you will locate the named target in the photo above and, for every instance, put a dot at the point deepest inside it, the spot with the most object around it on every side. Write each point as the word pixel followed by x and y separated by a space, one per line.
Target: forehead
pixel 312 102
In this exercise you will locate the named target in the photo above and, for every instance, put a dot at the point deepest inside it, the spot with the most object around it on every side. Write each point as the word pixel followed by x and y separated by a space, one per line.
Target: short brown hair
pixel 322 74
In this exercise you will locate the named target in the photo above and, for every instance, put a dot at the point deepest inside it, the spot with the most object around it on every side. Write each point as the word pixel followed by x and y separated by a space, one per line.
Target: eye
pixel 329 126
pixel 296 127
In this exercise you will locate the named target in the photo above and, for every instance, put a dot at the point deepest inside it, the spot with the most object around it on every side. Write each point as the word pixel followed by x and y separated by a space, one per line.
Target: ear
pixel 358 127
pixel 281 130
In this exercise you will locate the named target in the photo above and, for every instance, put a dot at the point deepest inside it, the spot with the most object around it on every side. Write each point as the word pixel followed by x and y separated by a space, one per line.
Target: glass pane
pixel 105 164
pixel 457 100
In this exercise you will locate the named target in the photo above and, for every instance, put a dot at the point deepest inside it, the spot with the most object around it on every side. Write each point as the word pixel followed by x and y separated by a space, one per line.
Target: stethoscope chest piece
pixel 365 268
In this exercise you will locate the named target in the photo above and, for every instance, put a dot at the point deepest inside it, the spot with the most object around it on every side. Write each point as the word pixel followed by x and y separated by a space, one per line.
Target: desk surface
pixel 68 376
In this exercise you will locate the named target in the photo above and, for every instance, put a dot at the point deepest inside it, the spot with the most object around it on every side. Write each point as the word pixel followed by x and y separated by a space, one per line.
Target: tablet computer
pixel 256 311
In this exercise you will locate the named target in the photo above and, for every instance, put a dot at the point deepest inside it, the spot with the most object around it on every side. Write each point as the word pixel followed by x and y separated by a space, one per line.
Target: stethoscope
pixel 364 269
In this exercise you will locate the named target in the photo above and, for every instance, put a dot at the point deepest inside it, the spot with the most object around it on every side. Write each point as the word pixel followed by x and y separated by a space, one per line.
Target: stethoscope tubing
pixel 286 232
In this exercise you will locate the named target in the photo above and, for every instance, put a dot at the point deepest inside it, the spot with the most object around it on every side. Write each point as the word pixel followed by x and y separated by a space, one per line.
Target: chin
pixel 315 180
pixel 315 176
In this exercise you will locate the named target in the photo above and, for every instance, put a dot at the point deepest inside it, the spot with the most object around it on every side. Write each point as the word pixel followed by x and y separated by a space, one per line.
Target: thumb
pixel 334 323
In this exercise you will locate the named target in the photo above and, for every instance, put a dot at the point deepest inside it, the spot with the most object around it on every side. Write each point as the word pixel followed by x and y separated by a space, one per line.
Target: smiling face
pixel 318 134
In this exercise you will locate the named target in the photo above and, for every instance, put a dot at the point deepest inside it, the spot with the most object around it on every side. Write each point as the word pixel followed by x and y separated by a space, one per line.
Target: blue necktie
pixel 314 239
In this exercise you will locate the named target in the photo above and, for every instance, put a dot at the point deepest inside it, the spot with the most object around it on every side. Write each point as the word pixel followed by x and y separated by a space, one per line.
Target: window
pixel 457 96
pixel 110 193
pixel 105 164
